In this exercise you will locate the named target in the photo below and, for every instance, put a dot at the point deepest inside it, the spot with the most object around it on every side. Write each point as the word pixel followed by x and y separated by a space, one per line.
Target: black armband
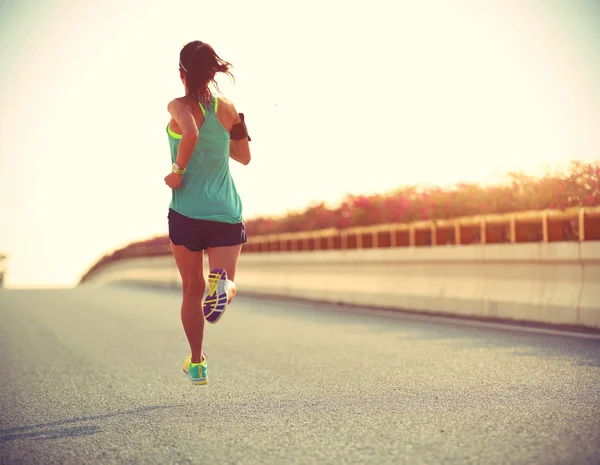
pixel 239 131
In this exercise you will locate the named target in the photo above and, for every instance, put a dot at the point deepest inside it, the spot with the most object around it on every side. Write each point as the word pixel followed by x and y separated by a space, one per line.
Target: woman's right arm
pixel 239 150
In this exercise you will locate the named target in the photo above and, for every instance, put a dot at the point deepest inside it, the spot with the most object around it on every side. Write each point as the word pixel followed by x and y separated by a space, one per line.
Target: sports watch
pixel 177 170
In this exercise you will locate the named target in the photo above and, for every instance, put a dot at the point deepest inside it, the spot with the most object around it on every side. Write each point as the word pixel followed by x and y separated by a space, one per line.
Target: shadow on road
pixel 53 433
pixel 55 429
pixel 440 329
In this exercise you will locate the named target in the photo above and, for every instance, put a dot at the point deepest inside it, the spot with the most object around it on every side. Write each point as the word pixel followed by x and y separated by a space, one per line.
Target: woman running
pixel 205 212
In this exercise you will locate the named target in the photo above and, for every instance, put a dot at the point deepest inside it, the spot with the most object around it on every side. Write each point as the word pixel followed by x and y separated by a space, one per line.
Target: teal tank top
pixel 207 190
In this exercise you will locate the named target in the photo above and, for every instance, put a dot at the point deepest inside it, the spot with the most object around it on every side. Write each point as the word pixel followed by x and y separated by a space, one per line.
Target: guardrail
pixel 574 224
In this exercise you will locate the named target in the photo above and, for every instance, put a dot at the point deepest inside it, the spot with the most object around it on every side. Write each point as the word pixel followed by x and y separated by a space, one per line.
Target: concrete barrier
pixel 152 271
pixel 589 298
pixel 552 283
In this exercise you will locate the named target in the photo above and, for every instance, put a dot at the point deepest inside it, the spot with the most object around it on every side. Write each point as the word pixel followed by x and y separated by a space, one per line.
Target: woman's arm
pixel 185 120
pixel 239 150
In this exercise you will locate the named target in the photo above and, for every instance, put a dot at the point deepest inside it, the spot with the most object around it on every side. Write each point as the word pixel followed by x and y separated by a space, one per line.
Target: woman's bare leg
pixel 192 276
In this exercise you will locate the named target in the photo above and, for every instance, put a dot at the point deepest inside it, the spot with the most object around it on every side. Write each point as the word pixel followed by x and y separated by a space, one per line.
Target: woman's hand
pixel 174 180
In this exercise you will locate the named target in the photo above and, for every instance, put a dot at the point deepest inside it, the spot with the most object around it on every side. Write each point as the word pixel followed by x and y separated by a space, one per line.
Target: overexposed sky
pixel 339 96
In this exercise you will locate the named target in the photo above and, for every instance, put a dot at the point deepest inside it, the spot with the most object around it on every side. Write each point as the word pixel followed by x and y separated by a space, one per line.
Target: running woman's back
pixel 208 191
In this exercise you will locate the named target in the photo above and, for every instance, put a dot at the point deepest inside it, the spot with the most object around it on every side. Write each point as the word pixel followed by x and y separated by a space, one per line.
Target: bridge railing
pixel 575 224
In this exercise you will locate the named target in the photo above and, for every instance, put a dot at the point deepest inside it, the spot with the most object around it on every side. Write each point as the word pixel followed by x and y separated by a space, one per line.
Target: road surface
pixel 93 375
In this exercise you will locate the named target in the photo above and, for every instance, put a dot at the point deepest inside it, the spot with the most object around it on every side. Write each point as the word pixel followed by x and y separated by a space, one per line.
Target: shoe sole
pixel 215 302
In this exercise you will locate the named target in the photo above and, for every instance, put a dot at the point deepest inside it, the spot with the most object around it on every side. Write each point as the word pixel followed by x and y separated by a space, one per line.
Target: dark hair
pixel 199 62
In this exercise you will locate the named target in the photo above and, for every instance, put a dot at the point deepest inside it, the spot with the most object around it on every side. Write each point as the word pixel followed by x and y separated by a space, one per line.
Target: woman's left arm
pixel 185 120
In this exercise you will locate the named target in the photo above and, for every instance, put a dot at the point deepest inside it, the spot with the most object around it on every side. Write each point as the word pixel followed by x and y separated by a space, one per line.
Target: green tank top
pixel 207 191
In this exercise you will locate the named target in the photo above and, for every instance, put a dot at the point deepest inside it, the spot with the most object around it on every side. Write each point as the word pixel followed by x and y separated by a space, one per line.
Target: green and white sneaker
pixel 197 372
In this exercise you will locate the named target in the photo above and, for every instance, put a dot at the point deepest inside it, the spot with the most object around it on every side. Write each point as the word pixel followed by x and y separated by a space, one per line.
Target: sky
pixel 339 97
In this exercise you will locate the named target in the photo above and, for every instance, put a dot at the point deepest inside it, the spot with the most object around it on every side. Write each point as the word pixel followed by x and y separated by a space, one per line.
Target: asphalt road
pixel 93 375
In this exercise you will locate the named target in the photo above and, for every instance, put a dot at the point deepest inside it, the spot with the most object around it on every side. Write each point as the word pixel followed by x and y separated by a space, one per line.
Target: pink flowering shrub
pixel 578 186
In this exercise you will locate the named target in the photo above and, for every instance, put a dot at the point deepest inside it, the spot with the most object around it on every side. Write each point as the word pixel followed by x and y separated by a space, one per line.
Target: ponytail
pixel 200 64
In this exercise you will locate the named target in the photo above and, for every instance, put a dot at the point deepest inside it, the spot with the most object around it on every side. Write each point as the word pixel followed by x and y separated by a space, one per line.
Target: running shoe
pixel 197 372
pixel 220 292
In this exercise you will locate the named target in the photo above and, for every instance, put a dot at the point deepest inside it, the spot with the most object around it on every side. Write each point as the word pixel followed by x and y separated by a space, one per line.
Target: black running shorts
pixel 197 235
